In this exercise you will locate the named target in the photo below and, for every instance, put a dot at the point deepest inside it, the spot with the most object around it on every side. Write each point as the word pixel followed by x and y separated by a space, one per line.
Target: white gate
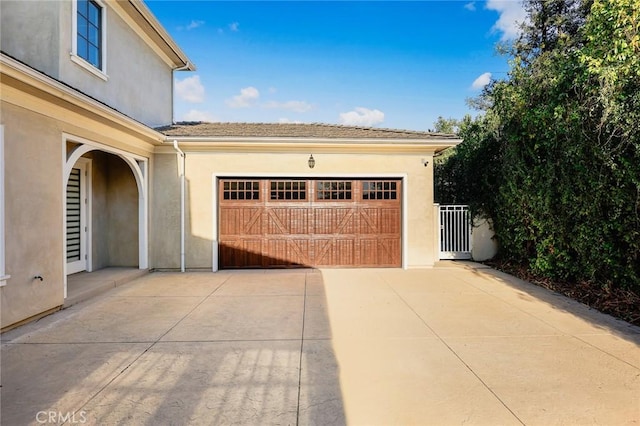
pixel 455 232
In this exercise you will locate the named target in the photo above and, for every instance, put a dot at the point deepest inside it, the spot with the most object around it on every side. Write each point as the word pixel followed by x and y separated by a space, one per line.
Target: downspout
pixel 182 195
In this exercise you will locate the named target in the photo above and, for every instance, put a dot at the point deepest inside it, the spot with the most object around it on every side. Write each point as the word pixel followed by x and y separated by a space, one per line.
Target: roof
pixel 289 130
pixel 154 30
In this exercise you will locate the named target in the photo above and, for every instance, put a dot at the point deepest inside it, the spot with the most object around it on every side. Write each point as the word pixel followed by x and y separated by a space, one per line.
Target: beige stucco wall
pixel 114 205
pixel 165 213
pixel 34 147
pixel 121 232
pixel 138 82
pixel 33 215
pixel 483 244
pixel 201 166
pixel 30 32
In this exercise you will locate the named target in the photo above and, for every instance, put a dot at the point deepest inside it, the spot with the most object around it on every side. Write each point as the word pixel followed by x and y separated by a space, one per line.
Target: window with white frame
pixel 89 36
pixel 89 26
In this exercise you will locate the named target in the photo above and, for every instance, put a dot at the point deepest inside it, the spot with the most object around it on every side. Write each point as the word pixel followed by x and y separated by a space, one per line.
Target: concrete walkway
pixel 443 346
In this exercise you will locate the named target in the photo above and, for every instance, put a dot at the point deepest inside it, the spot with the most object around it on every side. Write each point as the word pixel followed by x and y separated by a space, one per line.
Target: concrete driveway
pixel 443 346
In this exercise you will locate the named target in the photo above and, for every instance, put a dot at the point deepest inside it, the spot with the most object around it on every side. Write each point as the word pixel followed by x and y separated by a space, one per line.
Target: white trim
pixel 214 183
pixel 85 262
pixel 75 58
pixel 139 166
pixel 48 85
pixel 87 66
pixel 3 276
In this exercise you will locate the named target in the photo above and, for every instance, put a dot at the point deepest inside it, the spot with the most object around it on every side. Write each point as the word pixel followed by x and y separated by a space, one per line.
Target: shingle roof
pixel 286 130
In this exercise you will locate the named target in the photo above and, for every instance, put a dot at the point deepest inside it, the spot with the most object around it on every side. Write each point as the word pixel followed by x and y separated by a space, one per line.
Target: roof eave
pixel 39 81
pixel 316 144
pixel 138 9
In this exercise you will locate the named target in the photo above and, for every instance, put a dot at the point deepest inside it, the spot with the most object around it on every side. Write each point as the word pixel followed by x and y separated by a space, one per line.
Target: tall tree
pixel 561 139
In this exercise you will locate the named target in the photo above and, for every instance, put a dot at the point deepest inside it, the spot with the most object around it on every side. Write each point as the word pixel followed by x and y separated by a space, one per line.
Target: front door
pixel 77 218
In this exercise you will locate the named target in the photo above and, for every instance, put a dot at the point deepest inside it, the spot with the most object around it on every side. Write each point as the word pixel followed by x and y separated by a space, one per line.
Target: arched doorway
pixel 105 210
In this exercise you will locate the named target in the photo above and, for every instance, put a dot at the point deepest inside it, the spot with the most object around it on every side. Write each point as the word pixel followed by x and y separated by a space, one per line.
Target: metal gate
pixel 455 232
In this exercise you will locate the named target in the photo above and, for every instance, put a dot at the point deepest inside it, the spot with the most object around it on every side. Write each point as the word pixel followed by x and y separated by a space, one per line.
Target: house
pixel 273 195
pixel 83 84
pixel 96 175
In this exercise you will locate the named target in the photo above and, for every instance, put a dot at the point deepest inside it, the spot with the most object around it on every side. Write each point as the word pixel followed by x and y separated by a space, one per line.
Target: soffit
pixel 142 20
pixel 20 81
pixel 326 138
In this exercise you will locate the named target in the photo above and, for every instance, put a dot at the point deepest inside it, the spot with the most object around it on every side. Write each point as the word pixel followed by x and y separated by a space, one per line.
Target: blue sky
pixel 369 63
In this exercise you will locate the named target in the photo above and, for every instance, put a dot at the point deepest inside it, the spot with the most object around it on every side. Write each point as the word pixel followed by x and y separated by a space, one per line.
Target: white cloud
pixel 470 6
pixel 362 117
pixel 511 13
pixel 247 97
pixel 285 120
pixel 234 26
pixel 481 81
pixel 194 24
pixel 295 106
pixel 197 115
pixel 190 89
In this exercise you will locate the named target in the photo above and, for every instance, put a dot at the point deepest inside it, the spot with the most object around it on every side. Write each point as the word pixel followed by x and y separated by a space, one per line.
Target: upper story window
pixel 89 36
pixel 89 25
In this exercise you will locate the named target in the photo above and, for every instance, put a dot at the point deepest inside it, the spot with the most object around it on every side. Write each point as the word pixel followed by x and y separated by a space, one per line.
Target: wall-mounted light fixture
pixel 425 162
pixel 312 162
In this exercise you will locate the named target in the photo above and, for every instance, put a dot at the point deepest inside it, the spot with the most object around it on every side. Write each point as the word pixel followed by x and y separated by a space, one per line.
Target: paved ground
pixel 435 346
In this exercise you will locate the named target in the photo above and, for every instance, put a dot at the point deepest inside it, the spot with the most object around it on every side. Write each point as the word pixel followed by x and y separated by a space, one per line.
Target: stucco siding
pixel 33 215
pixel 201 167
pixel 122 207
pixel 99 209
pixel 139 81
pixel 165 213
pixel 30 32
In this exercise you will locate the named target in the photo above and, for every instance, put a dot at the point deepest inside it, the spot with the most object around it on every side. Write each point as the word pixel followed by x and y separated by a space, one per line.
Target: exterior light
pixel 312 162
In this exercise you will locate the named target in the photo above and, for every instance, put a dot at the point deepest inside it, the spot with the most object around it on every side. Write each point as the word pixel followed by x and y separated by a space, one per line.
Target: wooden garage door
pixel 268 223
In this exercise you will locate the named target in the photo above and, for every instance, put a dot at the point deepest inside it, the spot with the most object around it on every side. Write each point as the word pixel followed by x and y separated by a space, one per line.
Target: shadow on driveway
pixel 198 348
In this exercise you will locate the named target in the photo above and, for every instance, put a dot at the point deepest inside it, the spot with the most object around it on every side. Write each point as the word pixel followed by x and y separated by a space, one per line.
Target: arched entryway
pixel 105 209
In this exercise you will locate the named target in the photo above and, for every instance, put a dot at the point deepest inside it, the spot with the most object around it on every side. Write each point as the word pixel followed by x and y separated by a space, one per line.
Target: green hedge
pixel 555 159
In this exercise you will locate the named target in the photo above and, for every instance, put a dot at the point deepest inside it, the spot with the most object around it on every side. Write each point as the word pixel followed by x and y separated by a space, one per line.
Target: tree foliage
pixel 555 159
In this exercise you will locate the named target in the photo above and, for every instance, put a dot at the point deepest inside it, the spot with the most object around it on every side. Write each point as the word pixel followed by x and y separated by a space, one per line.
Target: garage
pixel 302 222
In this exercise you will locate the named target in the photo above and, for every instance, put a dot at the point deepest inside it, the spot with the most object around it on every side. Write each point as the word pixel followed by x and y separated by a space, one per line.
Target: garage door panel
pixel 298 251
pixel 389 251
pixel 289 225
pixel 323 220
pixel 346 221
pixel 287 252
pixel 323 252
pixel 390 221
pixel 291 220
pixel 369 221
pixel 241 221
pixel 241 253
pixel 277 221
pixel 344 252
pixel 368 252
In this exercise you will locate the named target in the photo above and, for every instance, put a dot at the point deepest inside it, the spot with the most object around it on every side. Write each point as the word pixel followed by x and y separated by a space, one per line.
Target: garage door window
pixel 241 190
pixel 379 190
pixel 288 190
pixel 334 190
